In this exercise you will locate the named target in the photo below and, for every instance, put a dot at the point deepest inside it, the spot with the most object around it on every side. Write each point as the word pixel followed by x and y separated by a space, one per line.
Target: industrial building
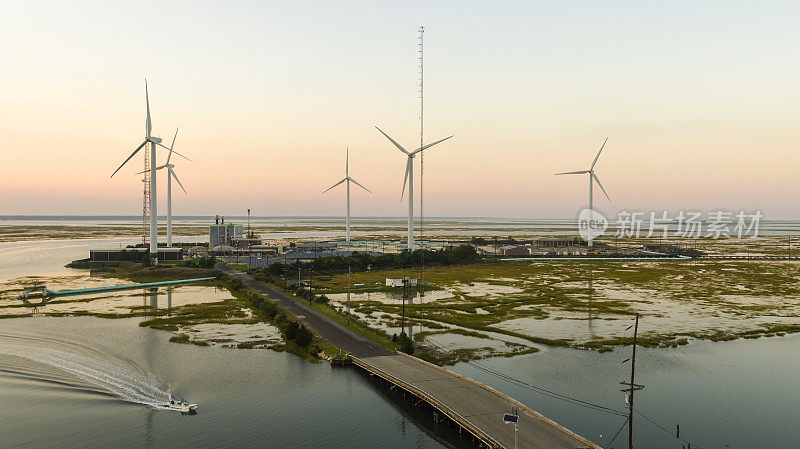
pixel 515 250
pixel 244 242
pixel 221 234
pixel 118 254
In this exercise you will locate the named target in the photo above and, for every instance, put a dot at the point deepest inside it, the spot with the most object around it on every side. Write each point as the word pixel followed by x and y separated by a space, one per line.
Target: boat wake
pixel 125 384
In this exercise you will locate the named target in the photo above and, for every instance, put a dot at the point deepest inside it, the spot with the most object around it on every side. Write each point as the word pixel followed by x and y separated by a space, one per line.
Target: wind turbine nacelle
pixel 155 139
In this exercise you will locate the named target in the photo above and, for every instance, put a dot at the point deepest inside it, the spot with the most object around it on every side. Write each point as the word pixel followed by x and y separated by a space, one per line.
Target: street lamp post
pixel 513 418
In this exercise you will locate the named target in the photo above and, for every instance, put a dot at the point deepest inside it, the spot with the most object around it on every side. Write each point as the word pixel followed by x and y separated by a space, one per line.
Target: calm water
pixel 333 227
pixel 248 398
pixel 736 394
pixel 741 394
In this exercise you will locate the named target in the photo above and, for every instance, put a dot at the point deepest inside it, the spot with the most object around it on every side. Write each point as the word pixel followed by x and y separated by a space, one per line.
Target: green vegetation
pixel 180 338
pixel 484 296
pixel 459 255
pixel 199 262
pixel 357 326
pixel 404 343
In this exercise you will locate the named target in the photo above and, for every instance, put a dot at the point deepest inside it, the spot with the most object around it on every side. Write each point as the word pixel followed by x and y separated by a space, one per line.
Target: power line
pixel 618 431
pixel 668 432
pixel 541 390
pixel 572 400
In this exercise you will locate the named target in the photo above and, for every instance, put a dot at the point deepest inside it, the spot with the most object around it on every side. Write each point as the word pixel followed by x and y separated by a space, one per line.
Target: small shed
pixel 398 282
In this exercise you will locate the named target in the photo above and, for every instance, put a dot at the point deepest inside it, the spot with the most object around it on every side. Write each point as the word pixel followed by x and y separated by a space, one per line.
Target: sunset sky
pixel 700 102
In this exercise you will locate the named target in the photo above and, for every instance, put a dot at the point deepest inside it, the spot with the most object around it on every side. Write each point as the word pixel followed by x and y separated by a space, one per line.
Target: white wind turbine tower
pixel 153 142
pixel 410 179
pixel 592 177
pixel 349 180
pixel 170 174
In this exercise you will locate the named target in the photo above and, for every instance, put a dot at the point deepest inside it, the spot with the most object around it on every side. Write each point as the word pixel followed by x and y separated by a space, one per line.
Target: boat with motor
pixel 181 406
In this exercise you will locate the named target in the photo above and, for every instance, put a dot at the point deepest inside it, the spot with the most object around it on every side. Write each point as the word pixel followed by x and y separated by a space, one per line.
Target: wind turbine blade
pixel 601 185
pixel 573 172
pixel 356 183
pixel 393 141
pixel 405 180
pixel 172 172
pixel 343 180
pixel 173 145
pixel 598 154
pixel 347 163
pixel 429 145
pixel 145 171
pixel 168 148
pixel 147 100
pixel 129 158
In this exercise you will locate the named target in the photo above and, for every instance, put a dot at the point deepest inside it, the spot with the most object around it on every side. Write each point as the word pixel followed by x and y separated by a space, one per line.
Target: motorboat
pixel 181 406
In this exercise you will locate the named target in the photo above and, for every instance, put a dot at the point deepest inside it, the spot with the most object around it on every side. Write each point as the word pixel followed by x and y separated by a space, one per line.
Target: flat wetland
pixel 203 314
pixel 493 308
pixel 509 307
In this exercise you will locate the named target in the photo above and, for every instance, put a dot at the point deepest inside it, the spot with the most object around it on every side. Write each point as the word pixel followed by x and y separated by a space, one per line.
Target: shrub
pixel 303 337
pixel 406 345
pixel 180 338
pixel 291 330
pixel 270 309
pixel 200 262
pixel 235 284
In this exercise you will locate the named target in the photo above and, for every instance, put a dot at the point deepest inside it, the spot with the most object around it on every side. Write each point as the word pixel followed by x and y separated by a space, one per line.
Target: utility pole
pixel 632 386
pixel 369 279
pixel 348 294
pixel 249 236
pixel 403 318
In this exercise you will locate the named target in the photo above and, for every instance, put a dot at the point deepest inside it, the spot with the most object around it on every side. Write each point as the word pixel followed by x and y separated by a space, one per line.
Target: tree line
pixel 459 255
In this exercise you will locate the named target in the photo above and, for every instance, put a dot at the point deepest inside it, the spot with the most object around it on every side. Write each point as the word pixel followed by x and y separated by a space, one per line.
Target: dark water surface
pixel 85 382
pixel 247 398
pixel 735 394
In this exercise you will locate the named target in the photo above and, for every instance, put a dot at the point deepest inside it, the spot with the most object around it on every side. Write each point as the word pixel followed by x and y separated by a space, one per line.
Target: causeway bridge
pixel 475 408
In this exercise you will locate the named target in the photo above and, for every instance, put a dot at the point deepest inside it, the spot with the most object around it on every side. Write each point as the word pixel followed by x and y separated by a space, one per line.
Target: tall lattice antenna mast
pixel 146 197
pixel 422 153
pixel 421 127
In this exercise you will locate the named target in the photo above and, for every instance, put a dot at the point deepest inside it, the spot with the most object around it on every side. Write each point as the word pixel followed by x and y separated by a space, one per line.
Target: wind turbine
pixel 154 141
pixel 410 179
pixel 592 176
pixel 349 180
pixel 170 174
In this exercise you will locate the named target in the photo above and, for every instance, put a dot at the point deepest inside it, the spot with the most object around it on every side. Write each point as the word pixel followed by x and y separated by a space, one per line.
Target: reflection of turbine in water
pixel 591 296
pixel 154 298
pixel 125 384
pixel 169 298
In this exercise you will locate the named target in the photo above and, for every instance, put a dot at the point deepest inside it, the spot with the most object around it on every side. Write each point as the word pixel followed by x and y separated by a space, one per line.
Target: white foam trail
pixel 125 384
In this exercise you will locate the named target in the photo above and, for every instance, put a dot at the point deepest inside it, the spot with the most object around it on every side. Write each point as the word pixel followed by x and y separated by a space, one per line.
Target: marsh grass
pixel 729 290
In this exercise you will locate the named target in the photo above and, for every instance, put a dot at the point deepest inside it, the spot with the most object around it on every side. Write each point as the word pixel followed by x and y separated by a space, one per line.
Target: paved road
pixel 476 404
pixel 331 331
pixel 473 402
